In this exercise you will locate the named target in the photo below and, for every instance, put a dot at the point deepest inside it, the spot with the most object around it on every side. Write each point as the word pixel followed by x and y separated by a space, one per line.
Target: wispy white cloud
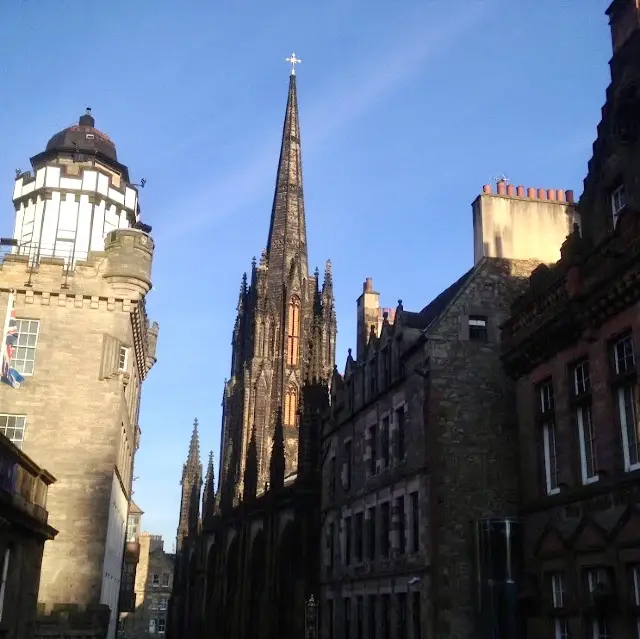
pixel 359 87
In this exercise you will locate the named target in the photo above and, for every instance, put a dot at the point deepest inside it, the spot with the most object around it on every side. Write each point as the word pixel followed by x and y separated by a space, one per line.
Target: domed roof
pixel 84 137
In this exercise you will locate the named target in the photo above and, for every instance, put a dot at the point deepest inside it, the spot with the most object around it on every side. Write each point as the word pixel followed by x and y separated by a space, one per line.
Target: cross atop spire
pixel 293 61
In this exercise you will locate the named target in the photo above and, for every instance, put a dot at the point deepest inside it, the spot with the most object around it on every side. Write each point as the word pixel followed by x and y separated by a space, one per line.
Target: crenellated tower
pixel 284 336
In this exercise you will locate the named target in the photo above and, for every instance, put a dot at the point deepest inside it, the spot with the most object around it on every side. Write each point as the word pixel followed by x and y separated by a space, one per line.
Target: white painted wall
pixel 62 227
pixel 114 549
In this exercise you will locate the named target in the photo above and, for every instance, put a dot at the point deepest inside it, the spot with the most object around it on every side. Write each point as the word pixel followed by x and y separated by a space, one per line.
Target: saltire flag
pixel 10 375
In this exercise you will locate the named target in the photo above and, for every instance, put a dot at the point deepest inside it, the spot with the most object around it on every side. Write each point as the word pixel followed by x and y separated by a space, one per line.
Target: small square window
pixel 478 328
pixel 12 427
pixel 90 136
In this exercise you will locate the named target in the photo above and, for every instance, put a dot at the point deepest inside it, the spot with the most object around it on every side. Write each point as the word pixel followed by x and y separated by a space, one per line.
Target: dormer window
pixel 618 202
pixel 478 328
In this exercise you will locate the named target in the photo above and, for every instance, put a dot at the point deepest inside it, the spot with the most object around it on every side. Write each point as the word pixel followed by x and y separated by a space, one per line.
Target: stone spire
pixel 287 230
pixel 191 484
pixel 209 493
pixel 251 468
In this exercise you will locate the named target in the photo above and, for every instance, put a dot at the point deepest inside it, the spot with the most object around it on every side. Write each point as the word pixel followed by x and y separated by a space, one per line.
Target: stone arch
pixel 289 417
pixel 257 581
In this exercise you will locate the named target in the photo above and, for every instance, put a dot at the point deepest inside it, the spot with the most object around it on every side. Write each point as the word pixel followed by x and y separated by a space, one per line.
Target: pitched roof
pixel 438 305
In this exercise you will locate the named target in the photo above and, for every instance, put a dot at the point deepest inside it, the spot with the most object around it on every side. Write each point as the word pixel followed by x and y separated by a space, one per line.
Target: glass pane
pixel 31 340
pixel 28 368
pixel 21 353
pixel 22 339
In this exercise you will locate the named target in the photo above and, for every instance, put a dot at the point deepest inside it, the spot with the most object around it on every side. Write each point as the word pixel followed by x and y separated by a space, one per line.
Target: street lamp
pixel 311 619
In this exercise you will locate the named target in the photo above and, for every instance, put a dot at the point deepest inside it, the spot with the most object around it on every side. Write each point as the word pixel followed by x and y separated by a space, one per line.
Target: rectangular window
pixel 623 356
pixel 161 625
pixel 24 359
pixel 561 628
pixel 581 378
pixel 155 579
pixel 627 401
pixel 402 616
pixel 371 541
pixel 415 522
pixel 163 603
pixel 373 444
pixel 385 529
pixel 166 579
pixel 400 425
pixel 346 602
pixel 373 379
pixel 123 358
pixel 600 629
pixel 371 616
pixel 152 626
pixel 478 328
pixel 347 461
pixel 618 202
pixel 358 536
pixel 557 589
pixel 402 545
pixel 347 540
pixel 132 528
pixel 547 407
pixel 587 438
pixel 4 570
pixel 12 427
pixel 384 436
pixel 153 603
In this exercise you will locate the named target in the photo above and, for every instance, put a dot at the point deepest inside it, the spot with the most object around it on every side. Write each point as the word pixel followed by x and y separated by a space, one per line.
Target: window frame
pixel 123 366
pixel 618 201
pixel 478 328
pixel 5 428
pixel 558 590
pixel 18 346
pixel 545 398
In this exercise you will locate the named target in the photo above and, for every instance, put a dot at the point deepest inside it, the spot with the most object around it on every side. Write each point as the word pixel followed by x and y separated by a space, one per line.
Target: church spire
pixel 193 460
pixel 287 230
pixel 191 483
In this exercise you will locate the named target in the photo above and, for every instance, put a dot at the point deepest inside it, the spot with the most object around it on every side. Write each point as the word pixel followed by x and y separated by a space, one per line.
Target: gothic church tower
pixel 284 336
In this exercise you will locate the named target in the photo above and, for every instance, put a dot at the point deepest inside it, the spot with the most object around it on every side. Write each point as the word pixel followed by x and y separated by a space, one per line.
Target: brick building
pixel 77 275
pixel 247 566
pixel 420 473
pixel 23 533
pixel 572 343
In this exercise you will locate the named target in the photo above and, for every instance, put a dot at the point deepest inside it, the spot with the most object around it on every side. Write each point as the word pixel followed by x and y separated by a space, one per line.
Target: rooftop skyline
pixel 406 110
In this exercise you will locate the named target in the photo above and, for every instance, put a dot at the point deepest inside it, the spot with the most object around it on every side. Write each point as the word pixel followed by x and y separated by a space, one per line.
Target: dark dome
pixel 84 137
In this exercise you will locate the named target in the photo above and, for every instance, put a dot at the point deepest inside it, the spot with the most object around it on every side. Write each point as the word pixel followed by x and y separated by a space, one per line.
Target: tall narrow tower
pixel 77 277
pixel 191 483
pixel 284 333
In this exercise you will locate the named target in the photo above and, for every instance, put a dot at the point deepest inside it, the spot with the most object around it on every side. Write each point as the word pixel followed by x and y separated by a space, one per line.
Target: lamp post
pixel 311 619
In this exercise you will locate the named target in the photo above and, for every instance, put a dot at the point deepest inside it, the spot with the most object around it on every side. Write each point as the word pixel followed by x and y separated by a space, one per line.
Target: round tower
pixel 76 194
pixel 129 256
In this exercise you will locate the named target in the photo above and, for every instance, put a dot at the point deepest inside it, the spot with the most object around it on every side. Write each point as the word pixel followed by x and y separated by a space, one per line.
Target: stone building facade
pixel 23 533
pixel 152 591
pixel 248 564
pixel 77 275
pixel 572 343
pixel 420 469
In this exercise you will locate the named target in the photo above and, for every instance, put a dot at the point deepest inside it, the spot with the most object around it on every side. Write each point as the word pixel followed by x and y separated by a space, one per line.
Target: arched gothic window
pixel 290 406
pixel 293 341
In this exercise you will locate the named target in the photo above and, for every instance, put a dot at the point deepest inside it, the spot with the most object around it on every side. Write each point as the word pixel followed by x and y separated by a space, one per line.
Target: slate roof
pixel 437 306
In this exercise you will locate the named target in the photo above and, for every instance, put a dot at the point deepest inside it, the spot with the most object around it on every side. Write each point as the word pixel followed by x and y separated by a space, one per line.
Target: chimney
pixel 624 20
pixel 368 314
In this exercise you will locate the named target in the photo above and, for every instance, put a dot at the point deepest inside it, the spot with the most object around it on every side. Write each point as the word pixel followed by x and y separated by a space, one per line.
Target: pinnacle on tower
pixel 277 466
pixel 193 460
pixel 251 468
pixel 209 493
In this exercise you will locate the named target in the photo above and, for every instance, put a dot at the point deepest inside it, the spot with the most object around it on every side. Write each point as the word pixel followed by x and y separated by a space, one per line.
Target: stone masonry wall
pixel 471 437
pixel 74 406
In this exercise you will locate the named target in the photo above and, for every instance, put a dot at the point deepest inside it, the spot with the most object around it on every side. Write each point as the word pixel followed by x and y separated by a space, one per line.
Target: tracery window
pixel 293 341
pixel 290 405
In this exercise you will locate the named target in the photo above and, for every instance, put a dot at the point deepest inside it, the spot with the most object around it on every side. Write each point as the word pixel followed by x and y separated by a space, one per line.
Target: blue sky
pixel 407 108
